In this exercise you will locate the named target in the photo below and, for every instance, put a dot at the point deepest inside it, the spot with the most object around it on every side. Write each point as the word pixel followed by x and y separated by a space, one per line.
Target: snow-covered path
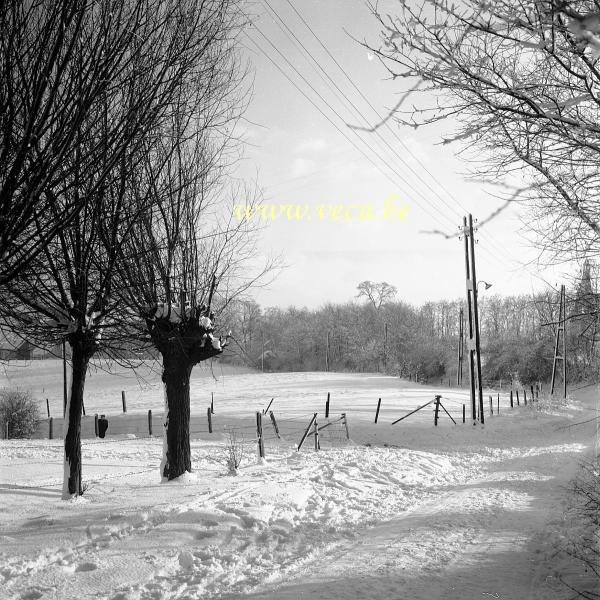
pixel 490 536
pixel 417 513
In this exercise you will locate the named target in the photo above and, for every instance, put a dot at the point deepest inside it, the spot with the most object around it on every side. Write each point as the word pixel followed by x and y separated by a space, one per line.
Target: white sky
pixel 297 156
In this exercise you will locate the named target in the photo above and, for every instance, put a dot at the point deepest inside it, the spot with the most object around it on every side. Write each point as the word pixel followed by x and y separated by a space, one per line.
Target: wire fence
pixel 269 433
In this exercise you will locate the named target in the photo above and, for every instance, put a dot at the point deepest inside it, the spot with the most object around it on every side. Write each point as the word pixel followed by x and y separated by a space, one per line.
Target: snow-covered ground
pixel 400 511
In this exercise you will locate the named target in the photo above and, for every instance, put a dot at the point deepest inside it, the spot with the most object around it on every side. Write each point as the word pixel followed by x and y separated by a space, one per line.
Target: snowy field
pixel 409 511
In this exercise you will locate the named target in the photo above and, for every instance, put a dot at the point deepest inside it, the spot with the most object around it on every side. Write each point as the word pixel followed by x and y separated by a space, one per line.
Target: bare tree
pixel 376 293
pixel 68 290
pixel 186 262
pixel 59 62
pixel 518 81
pixel 188 257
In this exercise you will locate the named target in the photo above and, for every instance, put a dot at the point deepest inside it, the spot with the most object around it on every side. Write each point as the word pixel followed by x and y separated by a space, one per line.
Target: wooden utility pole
pixel 562 319
pixel 473 345
pixel 461 347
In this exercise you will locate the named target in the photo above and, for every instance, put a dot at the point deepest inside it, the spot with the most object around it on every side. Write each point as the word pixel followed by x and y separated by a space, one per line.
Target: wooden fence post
pixel 532 394
pixel 149 421
pixel 50 426
pixel 306 432
pixel 327 407
pixel 316 432
pixel 96 424
pixel 511 399
pixel 436 410
pixel 274 424
pixel 377 411
pixel 498 405
pixel 518 403
pixel 124 401
pixel 48 407
pixel 491 406
pixel 525 397
pixel 209 415
pixel 212 403
pixel 346 426
pixel 259 434
pixel 464 411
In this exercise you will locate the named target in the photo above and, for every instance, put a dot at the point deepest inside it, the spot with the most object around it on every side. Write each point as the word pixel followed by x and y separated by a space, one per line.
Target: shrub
pixel 583 542
pixel 19 410
pixel 234 451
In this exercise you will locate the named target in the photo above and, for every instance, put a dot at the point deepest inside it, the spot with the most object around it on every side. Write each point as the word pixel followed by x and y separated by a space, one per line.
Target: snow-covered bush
pixel 550 404
pixel 19 410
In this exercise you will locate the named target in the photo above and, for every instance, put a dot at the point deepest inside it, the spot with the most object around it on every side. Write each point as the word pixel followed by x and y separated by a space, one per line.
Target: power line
pixel 485 250
pixel 361 116
pixel 425 208
pixel 327 78
pixel 378 167
pixel 392 131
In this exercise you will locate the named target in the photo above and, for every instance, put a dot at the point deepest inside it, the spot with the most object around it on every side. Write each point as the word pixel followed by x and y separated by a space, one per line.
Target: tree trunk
pixel 176 378
pixel 80 357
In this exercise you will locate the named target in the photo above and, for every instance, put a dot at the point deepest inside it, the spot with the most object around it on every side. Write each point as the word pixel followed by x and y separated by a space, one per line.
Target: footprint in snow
pixel 32 594
pixel 186 560
pixel 201 535
pixel 86 566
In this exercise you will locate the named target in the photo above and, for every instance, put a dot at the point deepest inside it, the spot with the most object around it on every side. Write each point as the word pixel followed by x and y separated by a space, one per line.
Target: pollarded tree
pixel 188 257
pixel 183 266
pixel 68 290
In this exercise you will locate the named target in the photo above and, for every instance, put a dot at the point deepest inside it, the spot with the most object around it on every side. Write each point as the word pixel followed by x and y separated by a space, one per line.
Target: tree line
pixel 117 237
pixel 377 332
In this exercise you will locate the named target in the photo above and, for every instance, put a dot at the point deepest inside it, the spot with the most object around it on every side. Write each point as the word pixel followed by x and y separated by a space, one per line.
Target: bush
pixel 234 451
pixel 583 543
pixel 19 410
pixel 535 364
pixel 530 361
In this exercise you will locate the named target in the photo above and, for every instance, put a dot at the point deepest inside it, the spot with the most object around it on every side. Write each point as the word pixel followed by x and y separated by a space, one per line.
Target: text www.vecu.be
pixel 351 211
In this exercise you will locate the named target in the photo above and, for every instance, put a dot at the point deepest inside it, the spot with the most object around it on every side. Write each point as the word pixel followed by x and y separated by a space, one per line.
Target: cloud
pixel 302 166
pixel 311 145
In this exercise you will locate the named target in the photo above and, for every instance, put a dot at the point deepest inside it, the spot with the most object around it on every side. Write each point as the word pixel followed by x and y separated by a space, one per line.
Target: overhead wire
pixel 425 207
pixel 356 110
pixel 418 192
pixel 392 131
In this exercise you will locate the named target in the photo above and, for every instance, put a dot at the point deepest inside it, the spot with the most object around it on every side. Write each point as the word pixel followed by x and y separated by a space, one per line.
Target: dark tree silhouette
pixel 518 83
pixel 59 62
pixel 172 56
